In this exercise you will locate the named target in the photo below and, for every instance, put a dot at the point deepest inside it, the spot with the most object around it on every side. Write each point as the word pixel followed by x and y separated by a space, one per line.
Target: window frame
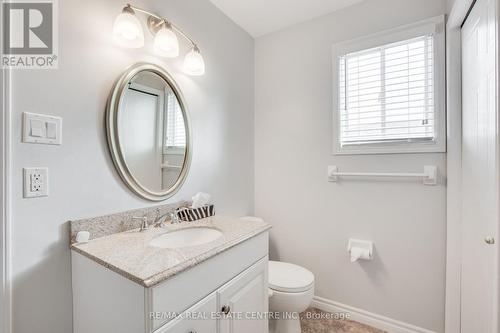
pixel 436 26
pixel 171 150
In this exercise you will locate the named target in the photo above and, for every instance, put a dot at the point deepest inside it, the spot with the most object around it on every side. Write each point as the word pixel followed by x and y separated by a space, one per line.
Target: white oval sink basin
pixel 186 237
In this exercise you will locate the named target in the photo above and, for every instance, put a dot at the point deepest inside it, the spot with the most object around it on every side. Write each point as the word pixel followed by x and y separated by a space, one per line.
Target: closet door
pixel 479 311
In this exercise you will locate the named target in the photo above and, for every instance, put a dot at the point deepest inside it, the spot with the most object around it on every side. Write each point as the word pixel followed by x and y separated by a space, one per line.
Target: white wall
pixel 449 5
pixel 83 182
pixel 312 218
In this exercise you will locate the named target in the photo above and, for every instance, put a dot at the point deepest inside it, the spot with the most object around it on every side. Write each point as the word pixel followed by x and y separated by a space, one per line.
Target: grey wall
pixel 449 5
pixel 312 218
pixel 83 182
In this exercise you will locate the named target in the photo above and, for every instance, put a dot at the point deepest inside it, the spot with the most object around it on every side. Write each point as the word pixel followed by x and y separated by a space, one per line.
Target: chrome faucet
pixel 144 224
pixel 174 219
pixel 160 220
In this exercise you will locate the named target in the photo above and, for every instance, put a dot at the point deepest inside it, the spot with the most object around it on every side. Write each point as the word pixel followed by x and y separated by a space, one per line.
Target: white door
pixel 243 300
pixel 139 137
pixel 479 311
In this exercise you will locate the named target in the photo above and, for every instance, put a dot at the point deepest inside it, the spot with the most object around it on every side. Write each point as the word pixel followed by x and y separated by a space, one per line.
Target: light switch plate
pixel 36 128
pixel 41 128
pixel 36 182
pixel 51 127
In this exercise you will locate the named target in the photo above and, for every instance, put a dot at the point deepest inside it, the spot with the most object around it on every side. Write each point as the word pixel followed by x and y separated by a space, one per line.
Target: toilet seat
pixel 289 278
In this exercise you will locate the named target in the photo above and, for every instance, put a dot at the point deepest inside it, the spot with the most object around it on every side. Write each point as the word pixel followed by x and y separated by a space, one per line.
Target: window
pixel 389 93
pixel 175 129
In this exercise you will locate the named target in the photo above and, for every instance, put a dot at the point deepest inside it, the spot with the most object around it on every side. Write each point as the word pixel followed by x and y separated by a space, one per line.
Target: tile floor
pixel 317 321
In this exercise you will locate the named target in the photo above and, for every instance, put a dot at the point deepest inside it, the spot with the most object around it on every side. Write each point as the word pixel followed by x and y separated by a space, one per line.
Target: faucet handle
pixel 174 218
pixel 144 224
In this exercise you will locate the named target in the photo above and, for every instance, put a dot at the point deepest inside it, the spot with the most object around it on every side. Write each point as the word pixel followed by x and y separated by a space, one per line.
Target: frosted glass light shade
pixel 194 63
pixel 127 30
pixel 166 43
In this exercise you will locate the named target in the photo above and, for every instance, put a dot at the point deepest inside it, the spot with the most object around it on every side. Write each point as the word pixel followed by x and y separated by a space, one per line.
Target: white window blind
pixel 386 93
pixel 175 129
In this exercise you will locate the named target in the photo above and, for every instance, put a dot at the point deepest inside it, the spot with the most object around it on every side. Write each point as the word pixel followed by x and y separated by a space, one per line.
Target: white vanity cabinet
pixel 197 319
pixel 225 293
pixel 232 308
pixel 244 299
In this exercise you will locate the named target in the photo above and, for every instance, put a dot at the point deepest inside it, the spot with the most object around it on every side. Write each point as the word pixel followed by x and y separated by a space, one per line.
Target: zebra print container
pixel 193 214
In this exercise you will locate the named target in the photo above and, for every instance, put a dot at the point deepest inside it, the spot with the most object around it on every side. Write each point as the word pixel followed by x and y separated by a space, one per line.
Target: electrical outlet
pixel 36 182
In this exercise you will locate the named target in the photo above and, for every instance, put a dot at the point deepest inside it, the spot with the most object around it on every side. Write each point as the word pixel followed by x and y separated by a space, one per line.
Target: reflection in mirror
pixel 152 131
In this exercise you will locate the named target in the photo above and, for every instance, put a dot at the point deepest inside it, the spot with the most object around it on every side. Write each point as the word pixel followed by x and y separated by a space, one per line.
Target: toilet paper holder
pixel 360 249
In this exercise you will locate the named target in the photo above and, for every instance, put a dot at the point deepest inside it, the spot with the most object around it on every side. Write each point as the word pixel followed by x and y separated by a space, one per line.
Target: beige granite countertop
pixel 130 255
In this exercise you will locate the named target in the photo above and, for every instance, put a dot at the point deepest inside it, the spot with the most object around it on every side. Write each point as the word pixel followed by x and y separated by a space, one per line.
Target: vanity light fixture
pixel 193 62
pixel 127 29
pixel 165 43
pixel 128 32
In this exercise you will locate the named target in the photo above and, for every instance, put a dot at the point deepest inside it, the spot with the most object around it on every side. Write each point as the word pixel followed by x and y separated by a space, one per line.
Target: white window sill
pixel 402 148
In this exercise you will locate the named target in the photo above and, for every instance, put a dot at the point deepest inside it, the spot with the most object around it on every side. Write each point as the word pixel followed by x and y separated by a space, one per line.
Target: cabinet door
pixel 199 318
pixel 243 301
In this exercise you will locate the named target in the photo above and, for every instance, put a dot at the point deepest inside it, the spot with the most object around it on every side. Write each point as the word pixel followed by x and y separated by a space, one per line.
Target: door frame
pixel 5 197
pixel 457 16
pixel 454 164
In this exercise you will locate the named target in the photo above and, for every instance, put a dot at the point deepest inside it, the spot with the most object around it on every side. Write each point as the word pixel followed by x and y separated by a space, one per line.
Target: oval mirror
pixel 148 132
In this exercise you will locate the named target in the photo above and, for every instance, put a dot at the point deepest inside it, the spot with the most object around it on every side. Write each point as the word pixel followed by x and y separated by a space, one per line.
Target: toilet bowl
pixel 291 290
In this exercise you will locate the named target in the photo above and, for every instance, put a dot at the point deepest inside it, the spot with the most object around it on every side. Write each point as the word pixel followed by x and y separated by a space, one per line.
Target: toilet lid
pixel 289 278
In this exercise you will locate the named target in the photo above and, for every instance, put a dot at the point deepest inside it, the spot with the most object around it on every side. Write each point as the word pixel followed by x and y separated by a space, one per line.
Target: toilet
pixel 291 290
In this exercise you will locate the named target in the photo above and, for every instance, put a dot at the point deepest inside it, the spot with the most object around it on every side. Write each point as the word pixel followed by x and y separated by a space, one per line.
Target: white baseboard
pixel 368 318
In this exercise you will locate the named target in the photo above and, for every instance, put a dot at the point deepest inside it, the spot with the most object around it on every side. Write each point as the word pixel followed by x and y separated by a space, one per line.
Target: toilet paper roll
pixel 360 253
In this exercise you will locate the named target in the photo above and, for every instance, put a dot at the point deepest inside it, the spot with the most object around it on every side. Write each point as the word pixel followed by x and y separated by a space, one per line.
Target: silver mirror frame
pixel 112 109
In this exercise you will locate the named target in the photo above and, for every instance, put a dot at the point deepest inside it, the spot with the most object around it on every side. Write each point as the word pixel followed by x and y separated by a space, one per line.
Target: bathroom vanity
pixel 155 281
pixel 193 277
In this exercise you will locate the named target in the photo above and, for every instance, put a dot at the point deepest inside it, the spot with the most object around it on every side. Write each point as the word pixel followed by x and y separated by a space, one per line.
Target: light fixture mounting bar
pixel 154 23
